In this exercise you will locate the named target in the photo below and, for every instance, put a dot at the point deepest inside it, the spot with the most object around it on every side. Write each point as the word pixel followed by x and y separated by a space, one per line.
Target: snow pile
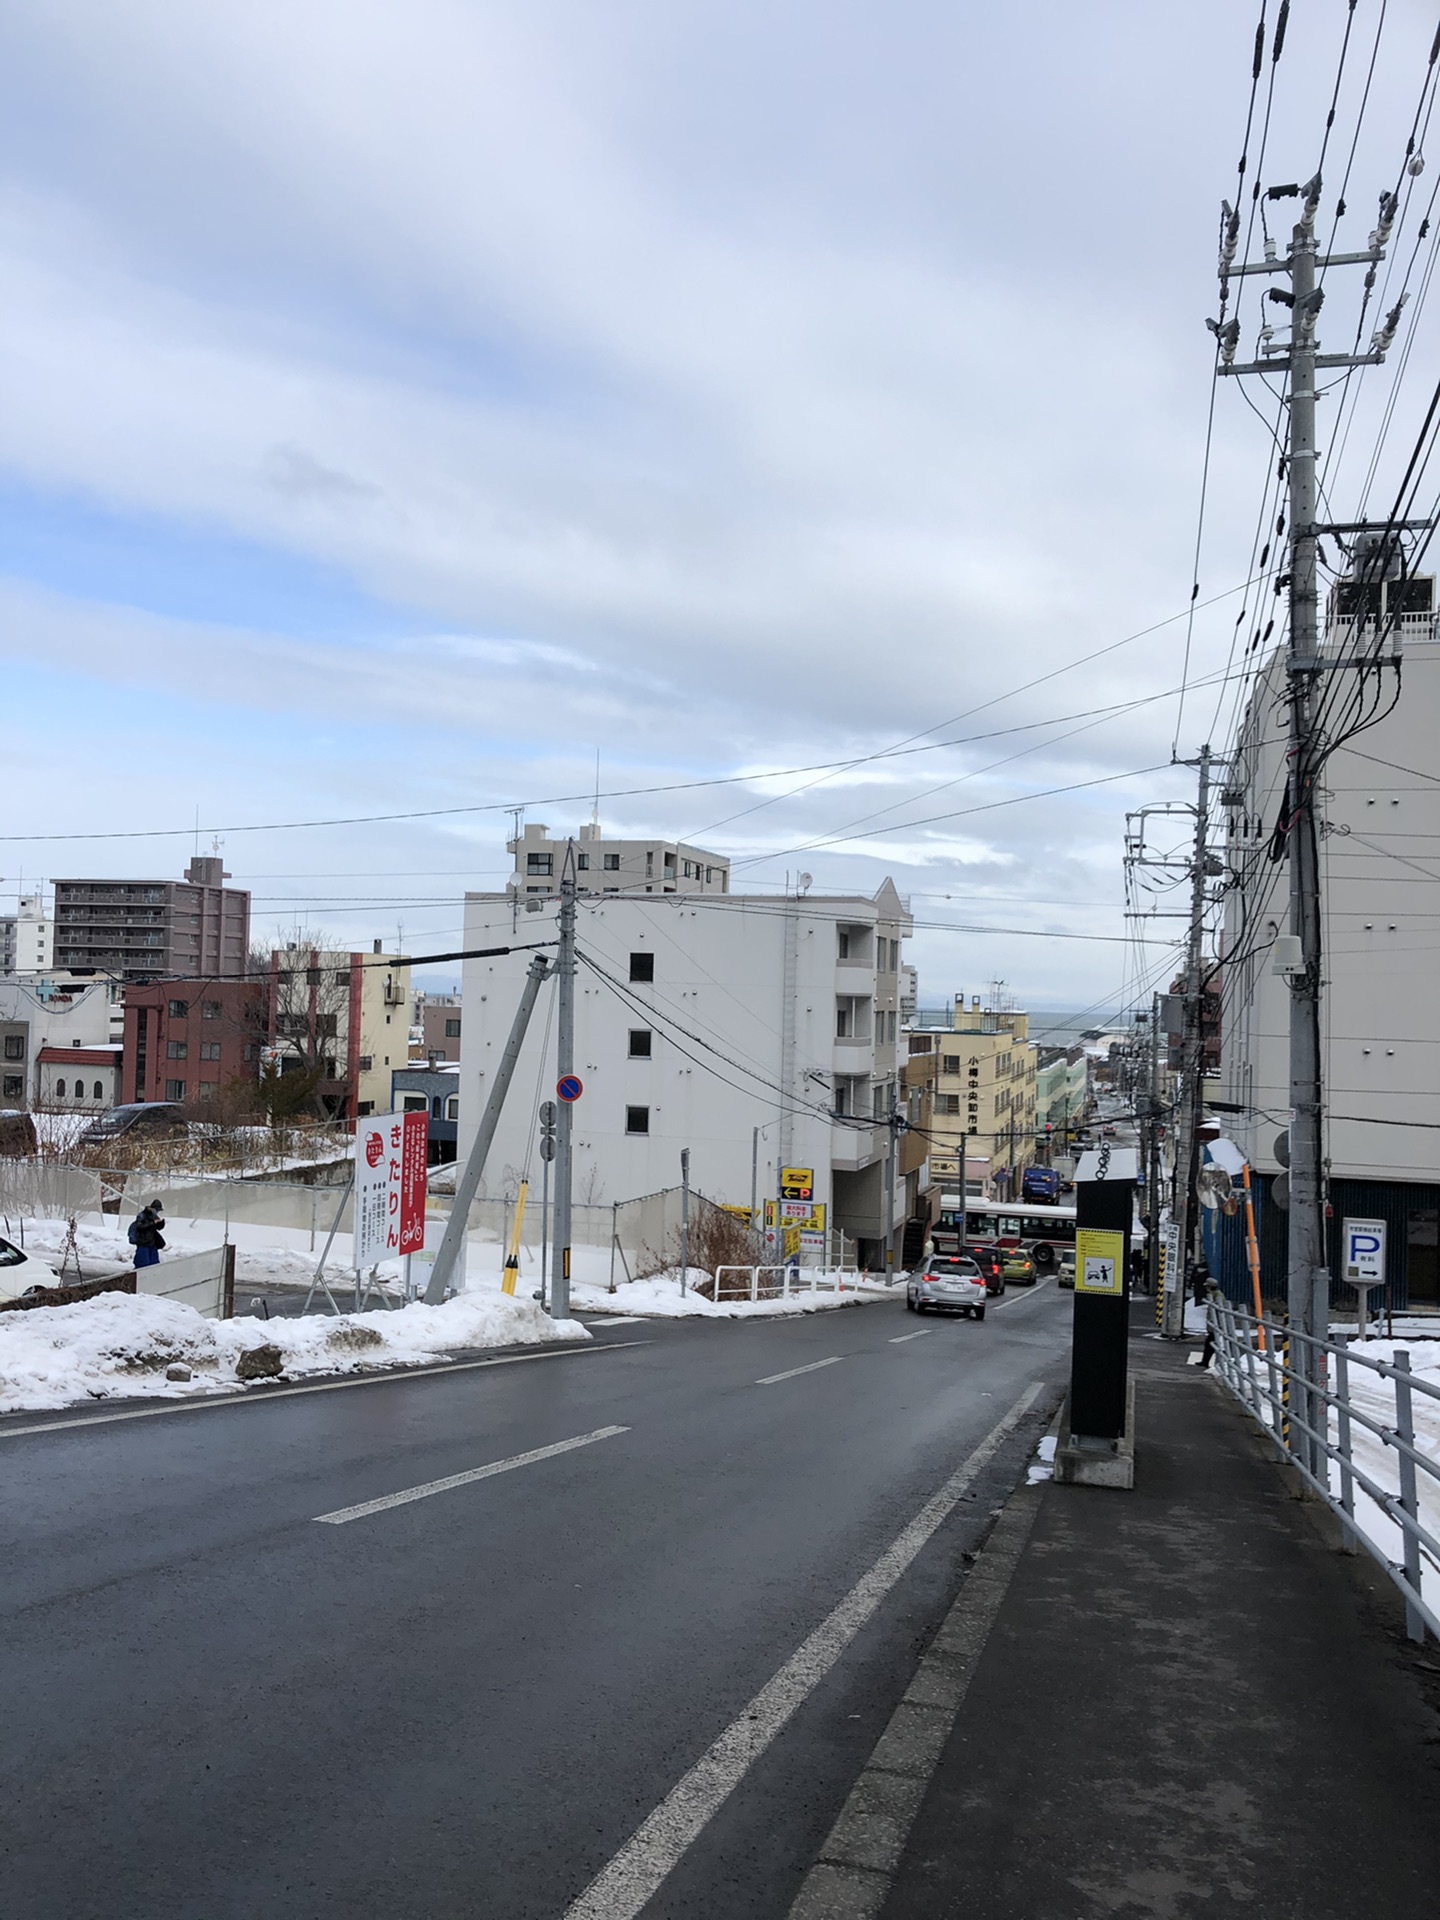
pixel 660 1295
pixel 1042 1467
pixel 1374 1394
pixel 120 1345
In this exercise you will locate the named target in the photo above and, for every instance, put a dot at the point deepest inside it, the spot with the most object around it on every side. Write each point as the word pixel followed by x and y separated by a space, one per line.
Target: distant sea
pixel 1049 1026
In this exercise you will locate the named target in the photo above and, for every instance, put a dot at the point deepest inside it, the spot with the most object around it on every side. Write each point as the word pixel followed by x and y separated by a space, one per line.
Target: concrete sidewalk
pixel 1178 1702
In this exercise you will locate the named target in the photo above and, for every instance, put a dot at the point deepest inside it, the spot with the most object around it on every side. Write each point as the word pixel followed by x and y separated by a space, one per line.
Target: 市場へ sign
pixel 390 1156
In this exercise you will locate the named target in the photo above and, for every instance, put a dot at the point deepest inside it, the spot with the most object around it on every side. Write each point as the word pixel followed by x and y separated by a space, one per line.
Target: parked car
pixel 1019 1267
pixel 948 1283
pixel 1065 1272
pixel 152 1119
pixel 991 1262
pixel 21 1272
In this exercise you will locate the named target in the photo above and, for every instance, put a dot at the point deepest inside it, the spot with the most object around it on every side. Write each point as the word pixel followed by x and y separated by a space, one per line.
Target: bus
pixel 1044 1231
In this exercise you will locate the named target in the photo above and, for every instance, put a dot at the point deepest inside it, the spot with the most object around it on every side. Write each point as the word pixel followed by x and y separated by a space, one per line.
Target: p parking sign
pixel 1362 1253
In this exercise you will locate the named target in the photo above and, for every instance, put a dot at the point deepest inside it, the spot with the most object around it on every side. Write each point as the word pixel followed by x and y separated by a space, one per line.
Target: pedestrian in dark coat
pixel 145 1235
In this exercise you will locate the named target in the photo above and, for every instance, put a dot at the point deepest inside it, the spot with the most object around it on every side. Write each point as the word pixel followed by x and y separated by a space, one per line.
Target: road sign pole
pixel 547 1154
pixel 565 1066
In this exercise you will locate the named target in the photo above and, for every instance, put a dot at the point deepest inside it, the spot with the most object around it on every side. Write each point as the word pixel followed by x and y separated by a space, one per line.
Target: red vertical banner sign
pixel 414 1153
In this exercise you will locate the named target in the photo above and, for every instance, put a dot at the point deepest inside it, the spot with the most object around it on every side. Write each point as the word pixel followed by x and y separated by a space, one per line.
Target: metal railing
pixel 1253 1357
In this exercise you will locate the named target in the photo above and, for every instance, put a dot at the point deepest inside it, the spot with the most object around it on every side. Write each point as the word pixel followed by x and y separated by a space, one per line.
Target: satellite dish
pixel 1216 1188
pixel 1280 1191
pixel 1281 1149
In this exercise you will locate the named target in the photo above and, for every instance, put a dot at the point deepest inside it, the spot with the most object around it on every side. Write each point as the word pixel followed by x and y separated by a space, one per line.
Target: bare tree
pixel 309 1000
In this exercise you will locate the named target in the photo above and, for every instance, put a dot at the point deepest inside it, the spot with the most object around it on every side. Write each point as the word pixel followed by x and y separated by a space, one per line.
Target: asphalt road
pixel 217 1706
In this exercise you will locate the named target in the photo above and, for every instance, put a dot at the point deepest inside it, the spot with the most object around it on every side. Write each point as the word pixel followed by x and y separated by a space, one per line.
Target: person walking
pixel 145 1235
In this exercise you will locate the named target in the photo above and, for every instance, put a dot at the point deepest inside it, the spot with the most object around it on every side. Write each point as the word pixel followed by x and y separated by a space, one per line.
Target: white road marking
pixel 617 1320
pixel 620 1890
pixel 258 1399
pixel 1014 1300
pixel 814 1366
pixel 919 1334
pixel 343 1514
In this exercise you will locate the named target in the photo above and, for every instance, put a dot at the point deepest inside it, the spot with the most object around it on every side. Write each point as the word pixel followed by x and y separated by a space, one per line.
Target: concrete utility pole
pixel 1307 1269
pixel 564 1064
pixel 1192 1058
pixel 684 1219
pixel 467 1185
pixel 1152 1167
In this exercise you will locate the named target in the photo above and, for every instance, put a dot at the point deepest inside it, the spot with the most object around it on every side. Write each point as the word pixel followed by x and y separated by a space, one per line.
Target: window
pixel 211 1009
pixel 843 1017
pixel 99 1093
pixel 14 1046
pixel 342 978
pixel 250 1051
pixel 843 937
pixel 177 1049
pixel 890 1027
pixel 14 1086
pixel 178 1009
pixel 637 1119
pixel 642 966
pixel 413 1103
pixel 612 863
pixel 207 1089
pixel 59 1089
pixel 949 1063
pixel 435 1108
pixel 174 1089
pixel 312 976
pixel 209 1049
pixel 582 863
pixel 539 863
pixel 452 1106
pixel 365 1106
pixel 365 1063
pixel 669 863
pixel 640 1038
pixel 842 1096
pixel 649 864
pixel 709 876
pixel 948 1103
pixel 452 1029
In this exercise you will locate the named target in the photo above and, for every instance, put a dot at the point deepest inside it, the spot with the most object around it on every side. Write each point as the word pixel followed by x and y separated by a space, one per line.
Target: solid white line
pixel 919 1334
pixel 1031 1293
pixel 617 1320
pixel 343 1514
pixel 642 1865
pixel 771 1378
pixel 257 1398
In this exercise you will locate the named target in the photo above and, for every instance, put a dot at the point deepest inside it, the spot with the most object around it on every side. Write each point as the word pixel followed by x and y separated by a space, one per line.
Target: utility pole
pixel 1152 1170
pixel 684 1219
pixel 1307 1270
pixel 564 1065
pixel 1192 1062
pixel 895 1128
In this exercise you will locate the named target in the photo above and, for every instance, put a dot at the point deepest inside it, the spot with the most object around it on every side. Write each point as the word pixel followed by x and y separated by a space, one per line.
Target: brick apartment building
pixel 153 929
pixel 191 1039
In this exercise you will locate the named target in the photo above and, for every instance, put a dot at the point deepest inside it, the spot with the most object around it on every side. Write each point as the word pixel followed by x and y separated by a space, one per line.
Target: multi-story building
pixel 193 1040
pixel 1062 1085
pixel 31 1022
pixel 439 1024
pixel 25 936
pixel 1380 1013
pixel 430 1090
pixel 80 1079
pixel 342 1021
pixel 981 1072
pixel 605 865
pixel 750 1029
pixel 154 929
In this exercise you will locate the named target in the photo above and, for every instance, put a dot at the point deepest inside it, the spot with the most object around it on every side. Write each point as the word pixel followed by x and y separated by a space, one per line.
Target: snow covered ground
pixel 118 1345
pixel 1374 1394
pixel 660 1295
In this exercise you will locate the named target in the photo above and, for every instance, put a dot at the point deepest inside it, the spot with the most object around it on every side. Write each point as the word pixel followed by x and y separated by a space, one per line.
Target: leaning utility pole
pixel 1307 1268
pixel 564 1066
pixel 1192 1061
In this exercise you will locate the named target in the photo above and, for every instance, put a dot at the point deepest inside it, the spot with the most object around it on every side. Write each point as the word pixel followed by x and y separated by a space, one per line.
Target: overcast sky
pixel 402 403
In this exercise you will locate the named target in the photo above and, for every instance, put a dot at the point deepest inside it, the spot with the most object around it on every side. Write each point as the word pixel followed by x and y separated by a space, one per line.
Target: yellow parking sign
pixel 1099 1261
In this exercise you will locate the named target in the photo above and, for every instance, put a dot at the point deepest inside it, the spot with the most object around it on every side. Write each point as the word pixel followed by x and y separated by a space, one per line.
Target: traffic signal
pixel 547 1129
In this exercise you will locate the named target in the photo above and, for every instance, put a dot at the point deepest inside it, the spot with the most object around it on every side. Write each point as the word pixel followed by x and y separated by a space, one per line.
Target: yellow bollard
pixel 512 1258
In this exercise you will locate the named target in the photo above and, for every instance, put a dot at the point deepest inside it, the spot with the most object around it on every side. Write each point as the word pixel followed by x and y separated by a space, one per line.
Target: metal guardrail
pixel 1253 1359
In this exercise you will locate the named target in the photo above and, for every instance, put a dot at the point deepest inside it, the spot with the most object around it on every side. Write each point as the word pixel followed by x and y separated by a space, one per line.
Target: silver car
pixel 947 1283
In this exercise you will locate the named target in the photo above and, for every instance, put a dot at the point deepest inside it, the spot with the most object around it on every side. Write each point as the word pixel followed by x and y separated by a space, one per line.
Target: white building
pixel 1380 884
pixel 26 936
pixel 726 1023
pixel 30 1023
pixel 614 866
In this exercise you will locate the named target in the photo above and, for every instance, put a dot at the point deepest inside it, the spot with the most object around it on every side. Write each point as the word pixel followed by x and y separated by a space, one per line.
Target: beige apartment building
pixel 980 1076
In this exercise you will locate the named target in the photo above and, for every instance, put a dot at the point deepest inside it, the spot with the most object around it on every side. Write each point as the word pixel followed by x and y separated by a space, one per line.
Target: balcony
pixel 854 1147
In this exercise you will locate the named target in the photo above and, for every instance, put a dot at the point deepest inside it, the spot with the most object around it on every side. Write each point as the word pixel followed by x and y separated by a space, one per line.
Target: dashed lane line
pixel 919 1334
pixel 343 1515
pixel 790 1373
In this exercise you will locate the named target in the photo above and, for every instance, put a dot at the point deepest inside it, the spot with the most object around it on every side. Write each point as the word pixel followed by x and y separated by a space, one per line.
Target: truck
pixel 1040 1183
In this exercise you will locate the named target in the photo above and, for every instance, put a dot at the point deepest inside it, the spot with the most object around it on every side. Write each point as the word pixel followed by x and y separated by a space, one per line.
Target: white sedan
pixel 19 1271
pixel 948 1282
